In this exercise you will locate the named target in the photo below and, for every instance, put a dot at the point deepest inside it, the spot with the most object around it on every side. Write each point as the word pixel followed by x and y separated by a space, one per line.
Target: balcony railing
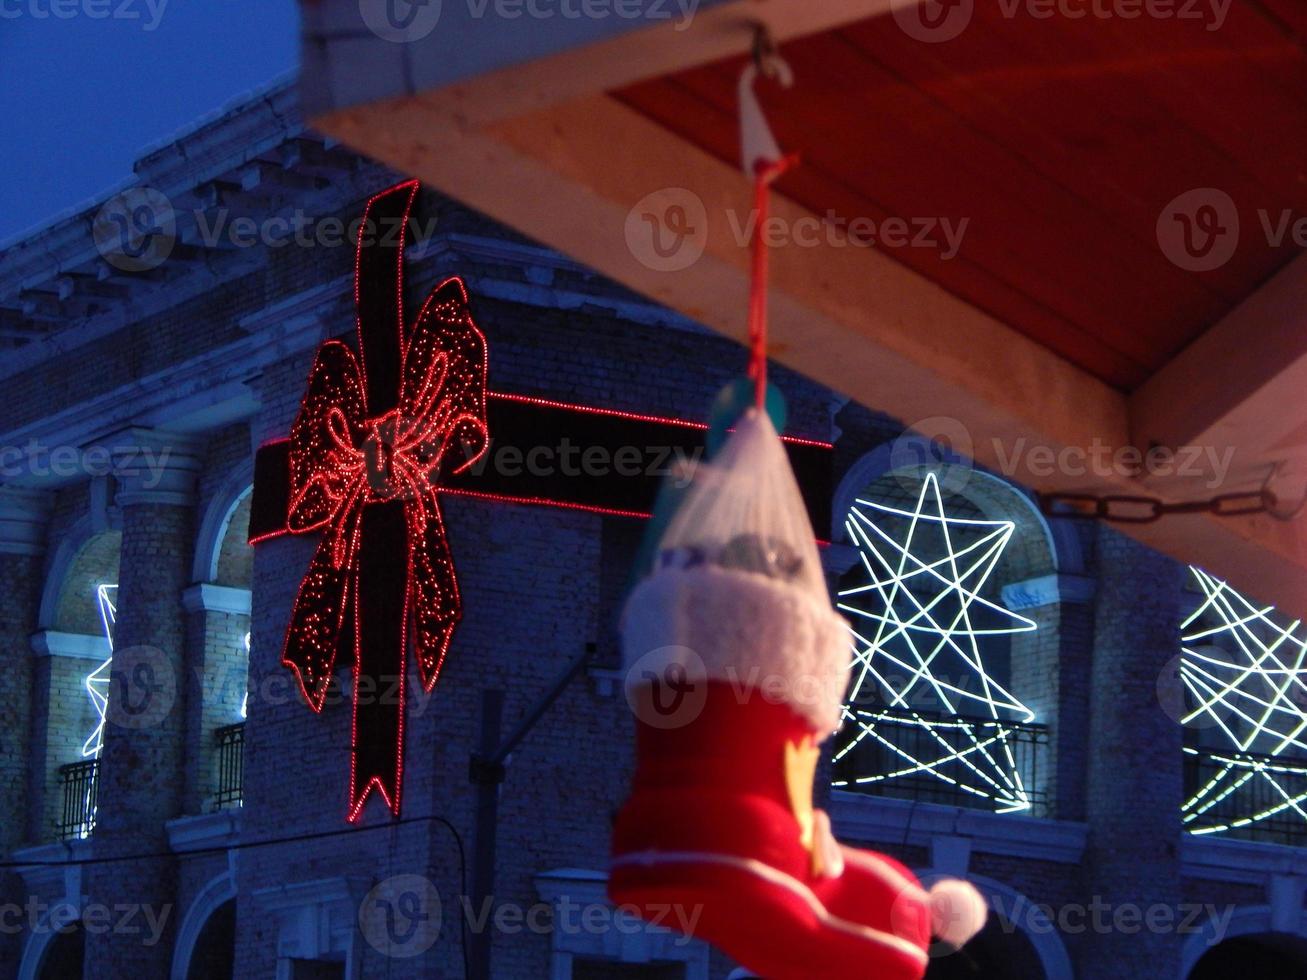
pixel 231 766
pixel 1245 795
pixel 79 784
pixel 954 760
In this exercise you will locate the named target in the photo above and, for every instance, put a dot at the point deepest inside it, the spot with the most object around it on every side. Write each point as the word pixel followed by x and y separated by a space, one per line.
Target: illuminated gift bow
pixel 366 453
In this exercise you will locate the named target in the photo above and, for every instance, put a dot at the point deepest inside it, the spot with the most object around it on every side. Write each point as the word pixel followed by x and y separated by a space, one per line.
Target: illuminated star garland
pixel 919 613
pixel 245 699
pixel 1247 677
pixel 97 681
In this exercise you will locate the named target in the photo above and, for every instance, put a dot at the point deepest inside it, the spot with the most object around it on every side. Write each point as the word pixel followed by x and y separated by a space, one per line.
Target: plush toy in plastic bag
pixel 736 668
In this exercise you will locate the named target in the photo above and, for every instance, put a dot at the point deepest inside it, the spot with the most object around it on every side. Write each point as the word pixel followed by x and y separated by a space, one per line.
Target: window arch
pixel 222 554
pixel 83 560
pixel 56 948
pixel 218 604
pixel 1250 930
pixel 1019 941
pixel 936 709
pixel 206 937
pixel 71 677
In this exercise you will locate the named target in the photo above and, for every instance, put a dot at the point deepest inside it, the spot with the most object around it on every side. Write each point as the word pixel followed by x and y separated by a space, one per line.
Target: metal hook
pixel 757 144
pixel 1271 500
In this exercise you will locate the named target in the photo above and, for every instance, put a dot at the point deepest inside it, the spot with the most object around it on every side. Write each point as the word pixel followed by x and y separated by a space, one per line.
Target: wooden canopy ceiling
pixel 1074 152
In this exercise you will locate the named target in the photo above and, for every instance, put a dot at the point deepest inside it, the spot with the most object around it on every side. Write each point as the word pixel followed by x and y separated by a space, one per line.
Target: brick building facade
pixel 134 401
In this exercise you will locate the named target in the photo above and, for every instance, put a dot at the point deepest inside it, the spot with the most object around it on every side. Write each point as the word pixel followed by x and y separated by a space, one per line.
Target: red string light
pixel 345 455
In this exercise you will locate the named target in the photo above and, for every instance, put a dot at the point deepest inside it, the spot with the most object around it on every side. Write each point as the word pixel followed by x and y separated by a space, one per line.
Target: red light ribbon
pixel 366 454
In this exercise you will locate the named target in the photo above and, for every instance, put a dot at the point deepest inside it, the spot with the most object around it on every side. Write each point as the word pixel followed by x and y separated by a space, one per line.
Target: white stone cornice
pixel 208 597
pixel 54 870
pixel 1246 862
pixel 1047 590
pixel 79 646
pixel 875 819
pixel 205 831
pixel 24 515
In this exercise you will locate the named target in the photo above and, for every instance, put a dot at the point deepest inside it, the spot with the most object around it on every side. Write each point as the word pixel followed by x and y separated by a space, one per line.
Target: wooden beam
pixel 1239 389
pixel 717 32
pixel 577 176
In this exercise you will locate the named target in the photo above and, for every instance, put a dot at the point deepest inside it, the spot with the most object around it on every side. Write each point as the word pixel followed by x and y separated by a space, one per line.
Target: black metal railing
pixel 955 760
pixel 79 784
pixel 1245 795
pixel 231 765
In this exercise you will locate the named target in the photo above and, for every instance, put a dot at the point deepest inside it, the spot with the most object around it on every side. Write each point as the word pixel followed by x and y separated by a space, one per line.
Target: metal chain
pixel 1127 509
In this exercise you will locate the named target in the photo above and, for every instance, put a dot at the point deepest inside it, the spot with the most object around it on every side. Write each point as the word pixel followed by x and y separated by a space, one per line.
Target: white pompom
pixel 957 911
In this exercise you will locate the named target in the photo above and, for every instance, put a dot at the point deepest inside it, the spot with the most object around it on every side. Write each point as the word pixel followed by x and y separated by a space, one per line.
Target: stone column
pixel 142 764
pixel 1135 782
pixel 23 515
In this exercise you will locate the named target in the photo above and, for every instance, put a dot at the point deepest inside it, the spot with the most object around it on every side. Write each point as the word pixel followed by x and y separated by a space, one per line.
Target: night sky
pixel 82 95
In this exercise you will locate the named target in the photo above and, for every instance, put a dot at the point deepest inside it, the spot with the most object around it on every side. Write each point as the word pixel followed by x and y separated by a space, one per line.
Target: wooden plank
pixel 1240 387
pixel 851 318
pixel 720 31
pixel 709 127
pixel 924 161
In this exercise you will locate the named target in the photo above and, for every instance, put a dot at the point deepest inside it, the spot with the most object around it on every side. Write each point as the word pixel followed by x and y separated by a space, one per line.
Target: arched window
pixel 1000 951
pixel 1240 689
pixel 73 653
pixel 219 628
pixel 941 706
pixel 214 954
pixel 65 953
pixel 1267 954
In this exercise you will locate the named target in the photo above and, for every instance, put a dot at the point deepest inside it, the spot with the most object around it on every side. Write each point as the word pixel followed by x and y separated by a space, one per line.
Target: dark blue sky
pixel 80 97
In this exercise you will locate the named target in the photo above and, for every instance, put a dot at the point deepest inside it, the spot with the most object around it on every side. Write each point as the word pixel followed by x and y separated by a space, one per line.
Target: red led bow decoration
pixel 366 454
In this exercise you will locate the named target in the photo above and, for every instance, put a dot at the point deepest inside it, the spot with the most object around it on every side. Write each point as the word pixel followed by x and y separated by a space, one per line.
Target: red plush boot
pixel 737 668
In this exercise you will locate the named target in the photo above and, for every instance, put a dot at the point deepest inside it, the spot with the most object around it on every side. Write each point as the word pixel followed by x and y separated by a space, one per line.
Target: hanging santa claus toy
pixel 737 667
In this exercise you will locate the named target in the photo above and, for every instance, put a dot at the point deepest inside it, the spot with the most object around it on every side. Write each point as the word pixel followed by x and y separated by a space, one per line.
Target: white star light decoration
pixel 1247 677
pixel 97 681
pixel 245 699
pixel 917 625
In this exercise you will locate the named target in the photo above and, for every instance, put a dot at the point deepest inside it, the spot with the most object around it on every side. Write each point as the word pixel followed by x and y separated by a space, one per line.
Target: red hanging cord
pixel 765 174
